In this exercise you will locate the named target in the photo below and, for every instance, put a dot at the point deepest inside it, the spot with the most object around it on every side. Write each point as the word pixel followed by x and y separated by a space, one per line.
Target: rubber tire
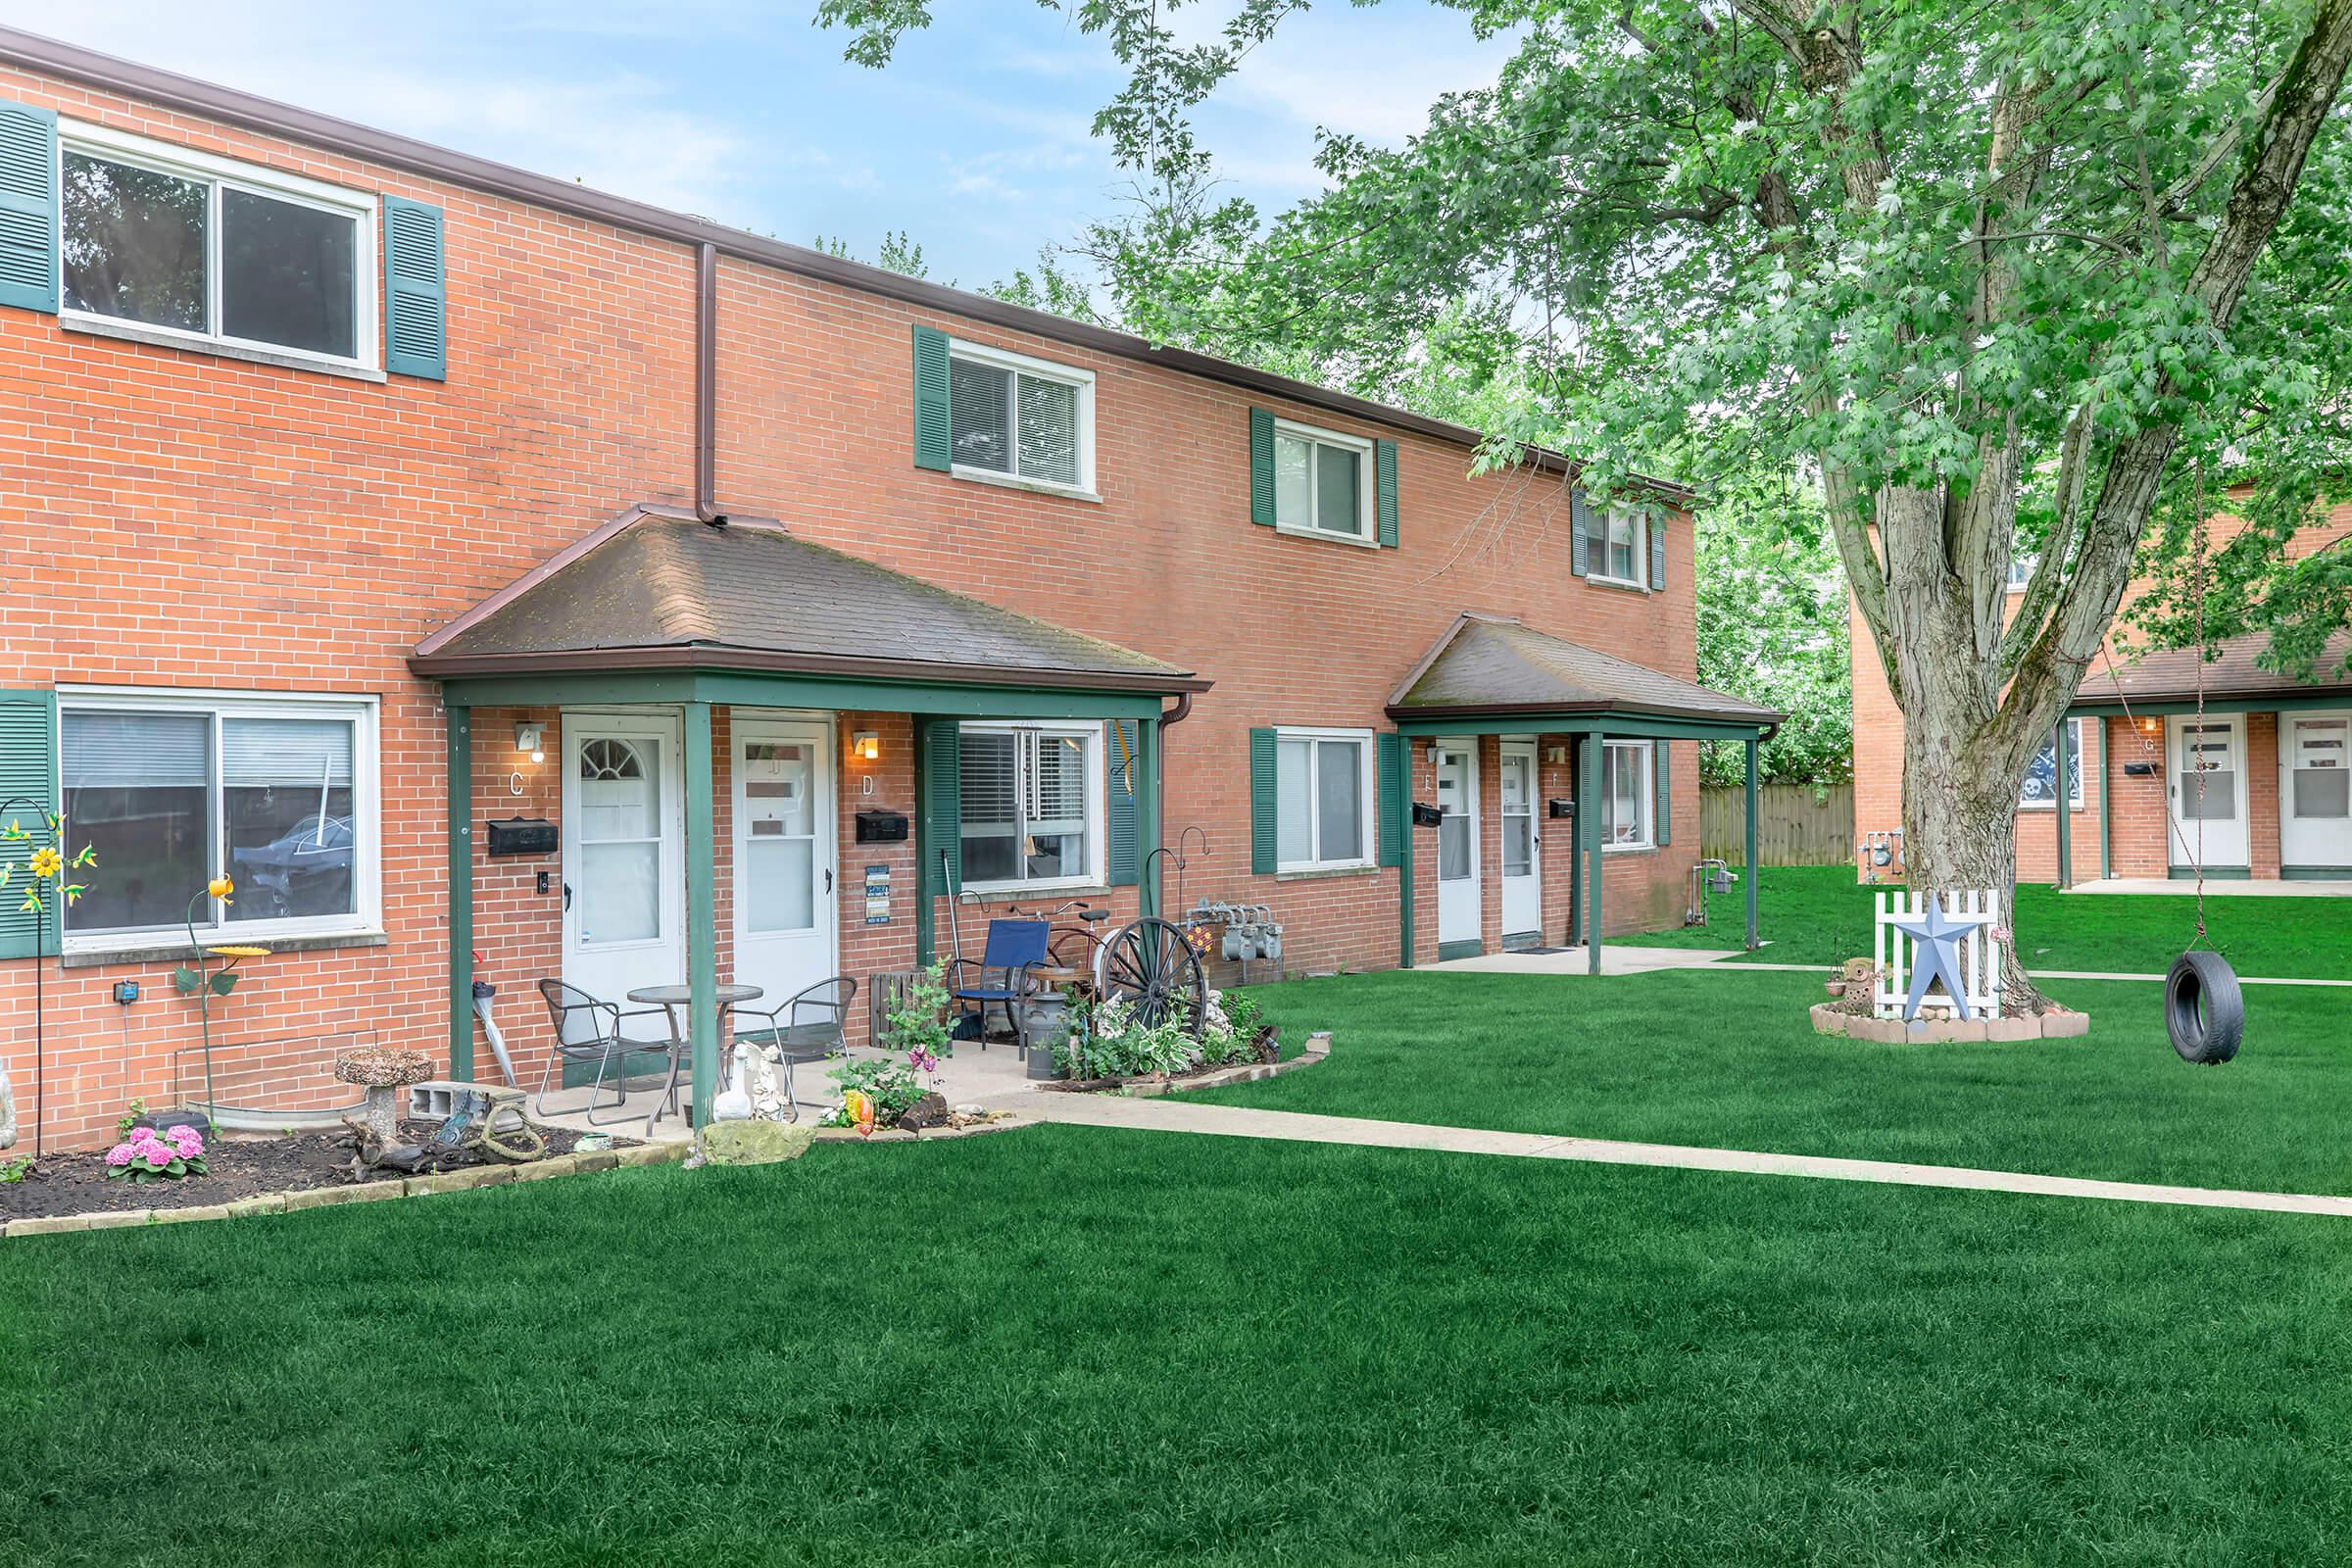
pixel 2214 1038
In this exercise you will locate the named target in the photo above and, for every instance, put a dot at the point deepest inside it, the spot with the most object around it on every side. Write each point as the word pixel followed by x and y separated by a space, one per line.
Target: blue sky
pixel 975 140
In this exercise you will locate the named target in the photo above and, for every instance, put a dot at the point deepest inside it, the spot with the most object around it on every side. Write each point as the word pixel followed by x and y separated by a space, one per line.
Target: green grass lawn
pixel 1076 1346
pixel 1730 1059
pixel 1818 914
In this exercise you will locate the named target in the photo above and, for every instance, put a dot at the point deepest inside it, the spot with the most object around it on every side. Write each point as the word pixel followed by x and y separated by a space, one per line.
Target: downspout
pixel 705 385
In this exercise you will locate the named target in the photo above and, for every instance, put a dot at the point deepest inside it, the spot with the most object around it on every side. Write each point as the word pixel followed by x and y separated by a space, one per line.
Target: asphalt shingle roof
pixel 1488 664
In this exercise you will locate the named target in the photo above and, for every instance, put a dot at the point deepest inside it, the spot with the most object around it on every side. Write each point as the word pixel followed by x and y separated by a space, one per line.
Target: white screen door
pixel 624 888
pixel 2314 791
pixel 1458 918
pixel 1522 850
pixel 785 874
pixel 2208 791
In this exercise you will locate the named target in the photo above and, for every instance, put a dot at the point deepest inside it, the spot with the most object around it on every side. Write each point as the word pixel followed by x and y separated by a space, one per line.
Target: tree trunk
pixel 1960 828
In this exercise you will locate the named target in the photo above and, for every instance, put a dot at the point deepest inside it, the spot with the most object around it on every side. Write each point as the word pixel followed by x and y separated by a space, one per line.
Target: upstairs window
pixel 1624 548
pixel 161 237
pixel 1020 418
pixel 1322 482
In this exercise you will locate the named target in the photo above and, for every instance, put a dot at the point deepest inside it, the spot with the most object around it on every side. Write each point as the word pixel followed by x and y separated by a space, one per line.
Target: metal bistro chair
pixel 573 1010
pixel 1014 947
pixel 810 1026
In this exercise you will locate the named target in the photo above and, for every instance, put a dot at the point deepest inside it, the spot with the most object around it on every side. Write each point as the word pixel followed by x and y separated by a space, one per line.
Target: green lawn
pixel 1818 914
pixel 1730 1059
pixel 1075 1347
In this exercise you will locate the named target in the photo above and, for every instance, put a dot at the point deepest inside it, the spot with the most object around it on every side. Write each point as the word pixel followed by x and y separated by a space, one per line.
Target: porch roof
pixel 1494 672
pixel 2166 679
pixel 656 590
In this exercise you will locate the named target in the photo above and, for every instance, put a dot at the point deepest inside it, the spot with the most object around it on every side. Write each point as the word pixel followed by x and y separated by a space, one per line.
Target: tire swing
pixel 2204 1007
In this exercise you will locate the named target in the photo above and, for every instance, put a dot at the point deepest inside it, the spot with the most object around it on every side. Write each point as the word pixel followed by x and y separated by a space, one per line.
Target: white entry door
pixel 624 884
pixel 1458 918
pixel 2208 791
pixel 784 855
pixel 2314 791
pixel 1522 850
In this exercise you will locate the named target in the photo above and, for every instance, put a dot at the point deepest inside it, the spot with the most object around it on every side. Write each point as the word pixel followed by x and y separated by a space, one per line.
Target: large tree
pixel 1997 275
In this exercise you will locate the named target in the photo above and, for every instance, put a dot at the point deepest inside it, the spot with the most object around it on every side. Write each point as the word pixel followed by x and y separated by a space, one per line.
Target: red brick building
pixel 368 503
pixel 2255 788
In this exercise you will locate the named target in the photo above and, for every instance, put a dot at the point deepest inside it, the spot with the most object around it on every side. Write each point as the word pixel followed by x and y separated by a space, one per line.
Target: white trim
pixel 187 162
pixel 1367 807
pixel 362 711
pixel 1367 484
pixel 1645 795
pixel 1097 872
pixel 1597 563
pixel 1069 375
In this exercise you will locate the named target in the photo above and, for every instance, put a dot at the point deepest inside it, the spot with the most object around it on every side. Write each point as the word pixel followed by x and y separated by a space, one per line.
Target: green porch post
pixel 1751 872
pixel 1404 856
pixel 2106 788
pixel 702 910
pixel 1147 797
pixel 2065 806
pixel 1588 811
pixel 459 891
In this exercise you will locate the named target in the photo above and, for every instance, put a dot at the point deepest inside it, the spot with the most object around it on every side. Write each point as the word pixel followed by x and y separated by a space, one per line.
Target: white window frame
pixel 1596 569
pixel 1368 485
pixel 1045 371
pixel 185 163
pixel 362 712
pixel 1367 827
pixel 2076 798
pixel 1096 815
pixel 1645 796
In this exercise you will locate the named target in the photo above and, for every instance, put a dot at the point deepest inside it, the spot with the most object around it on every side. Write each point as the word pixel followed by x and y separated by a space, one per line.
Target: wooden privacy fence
pixel 1797 824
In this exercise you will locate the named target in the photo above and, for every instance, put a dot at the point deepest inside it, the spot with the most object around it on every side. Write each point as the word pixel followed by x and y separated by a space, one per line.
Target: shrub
pixel 151 1157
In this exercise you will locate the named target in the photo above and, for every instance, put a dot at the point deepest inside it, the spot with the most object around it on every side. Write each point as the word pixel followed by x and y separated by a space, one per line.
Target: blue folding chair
pixel 1014 947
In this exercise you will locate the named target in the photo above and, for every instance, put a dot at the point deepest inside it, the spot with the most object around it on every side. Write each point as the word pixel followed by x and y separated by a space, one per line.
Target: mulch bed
pixel 239 1167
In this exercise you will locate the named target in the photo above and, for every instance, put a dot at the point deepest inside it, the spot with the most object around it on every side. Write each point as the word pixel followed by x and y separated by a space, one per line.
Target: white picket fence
pixel 1979 953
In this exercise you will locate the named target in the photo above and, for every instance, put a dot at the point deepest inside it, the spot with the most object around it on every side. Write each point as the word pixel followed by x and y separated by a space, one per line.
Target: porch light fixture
pixel 866 746
pixel 531 738
pixel 2150 724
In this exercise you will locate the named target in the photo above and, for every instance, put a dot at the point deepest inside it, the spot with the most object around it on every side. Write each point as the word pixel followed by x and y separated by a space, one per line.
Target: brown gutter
pixel 713 659
pixel 187 94
pixel 705 385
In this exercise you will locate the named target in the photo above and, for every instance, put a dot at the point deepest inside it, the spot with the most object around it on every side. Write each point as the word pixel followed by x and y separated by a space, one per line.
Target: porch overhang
pixel 1494 674
pixel 2179 680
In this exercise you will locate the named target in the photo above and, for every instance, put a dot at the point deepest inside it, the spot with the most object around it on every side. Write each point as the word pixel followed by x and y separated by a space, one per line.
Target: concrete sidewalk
pixel 1624 958
pixel 1176 1115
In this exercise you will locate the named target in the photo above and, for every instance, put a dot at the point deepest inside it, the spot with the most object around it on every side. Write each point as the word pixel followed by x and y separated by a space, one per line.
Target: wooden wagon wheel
pixel 1150 966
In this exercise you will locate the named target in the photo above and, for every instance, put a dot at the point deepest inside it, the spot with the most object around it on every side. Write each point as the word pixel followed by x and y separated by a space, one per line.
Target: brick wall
pixel 188 520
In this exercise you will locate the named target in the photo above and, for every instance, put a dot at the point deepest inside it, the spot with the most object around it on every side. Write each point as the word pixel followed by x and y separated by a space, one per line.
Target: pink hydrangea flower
pixel 158 1154
pixel 119 1155
pixel 187 1140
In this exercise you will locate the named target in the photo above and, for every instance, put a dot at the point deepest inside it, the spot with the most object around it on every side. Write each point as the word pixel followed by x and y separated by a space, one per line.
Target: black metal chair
pixel 1013 948
pixel 590 1029
pixel 810 1026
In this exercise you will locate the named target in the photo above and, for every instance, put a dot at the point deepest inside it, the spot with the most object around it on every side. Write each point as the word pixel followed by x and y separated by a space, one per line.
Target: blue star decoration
pixel 1936 952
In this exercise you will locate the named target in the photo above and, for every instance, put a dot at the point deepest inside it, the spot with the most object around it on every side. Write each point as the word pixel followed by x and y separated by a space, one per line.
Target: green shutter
pixel 1657 554
pixel 1580 529
pixel 1661 769
pixel 1384 464
pixel 28 207
pixel 416 291
pixel 939 814
pixel 1120 762
pixel 1261 468
pixel 932 446
pixel 1391 783
pixel 1262 841
pixel 27 795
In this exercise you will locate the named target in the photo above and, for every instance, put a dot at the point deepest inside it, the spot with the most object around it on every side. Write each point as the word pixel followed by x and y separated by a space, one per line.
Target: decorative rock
pixel 753 1143
pixel 928 1110
pixel 1318 1044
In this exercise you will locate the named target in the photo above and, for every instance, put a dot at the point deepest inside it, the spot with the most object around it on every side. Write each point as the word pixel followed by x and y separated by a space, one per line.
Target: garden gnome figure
pixel 1935 953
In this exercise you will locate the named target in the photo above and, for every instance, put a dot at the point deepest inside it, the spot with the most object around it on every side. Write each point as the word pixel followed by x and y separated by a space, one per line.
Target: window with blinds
pixel 1031 803
pixel 1021 417
pixel 171 792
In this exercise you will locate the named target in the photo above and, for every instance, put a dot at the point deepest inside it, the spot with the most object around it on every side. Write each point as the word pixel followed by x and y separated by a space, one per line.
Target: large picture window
pixel 160 237
pixel 172 792
pixel 1032 805
pixel 1020 418
pixel 1624 794
pixel 1322 799
pixel 2040 791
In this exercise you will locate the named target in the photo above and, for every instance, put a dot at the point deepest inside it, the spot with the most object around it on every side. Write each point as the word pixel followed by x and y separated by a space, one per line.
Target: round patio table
pixel 672 1001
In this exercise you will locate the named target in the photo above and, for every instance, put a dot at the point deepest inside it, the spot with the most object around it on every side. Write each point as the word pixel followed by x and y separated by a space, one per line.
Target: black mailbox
pixel 522 835
pixel 1557 807
pixel 1427 815
pixel 2140 769
pixel 881 828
